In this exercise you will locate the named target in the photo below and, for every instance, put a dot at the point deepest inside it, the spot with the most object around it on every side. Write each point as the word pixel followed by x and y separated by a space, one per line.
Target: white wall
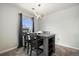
pixel 65 24
pixel 36 24
pixel 9 23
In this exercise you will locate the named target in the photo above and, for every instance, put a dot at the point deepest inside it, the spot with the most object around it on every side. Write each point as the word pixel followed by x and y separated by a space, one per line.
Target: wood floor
pixel 59 51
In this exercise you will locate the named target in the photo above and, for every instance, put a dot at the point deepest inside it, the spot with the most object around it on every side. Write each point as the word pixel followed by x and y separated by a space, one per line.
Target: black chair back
pixel 33 38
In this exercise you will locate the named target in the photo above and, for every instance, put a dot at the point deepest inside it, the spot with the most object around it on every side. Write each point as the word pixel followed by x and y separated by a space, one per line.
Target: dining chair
pixel 26 41
pixel 35 42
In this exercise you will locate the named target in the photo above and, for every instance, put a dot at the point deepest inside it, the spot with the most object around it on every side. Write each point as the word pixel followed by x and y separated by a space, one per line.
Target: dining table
pixel 48 43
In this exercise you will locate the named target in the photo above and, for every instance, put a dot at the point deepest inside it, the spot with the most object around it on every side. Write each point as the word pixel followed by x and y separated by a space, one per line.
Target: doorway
pixel 26 24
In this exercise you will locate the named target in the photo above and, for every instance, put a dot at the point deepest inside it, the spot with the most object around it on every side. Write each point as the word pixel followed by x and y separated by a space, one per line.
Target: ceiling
pixel 46 8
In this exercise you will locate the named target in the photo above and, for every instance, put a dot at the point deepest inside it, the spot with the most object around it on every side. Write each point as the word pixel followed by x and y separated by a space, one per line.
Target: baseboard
pixel 7 50
pixel 67 46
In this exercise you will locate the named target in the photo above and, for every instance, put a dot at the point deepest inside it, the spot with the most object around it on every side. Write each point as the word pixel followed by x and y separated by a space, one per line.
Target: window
pixel 27 23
